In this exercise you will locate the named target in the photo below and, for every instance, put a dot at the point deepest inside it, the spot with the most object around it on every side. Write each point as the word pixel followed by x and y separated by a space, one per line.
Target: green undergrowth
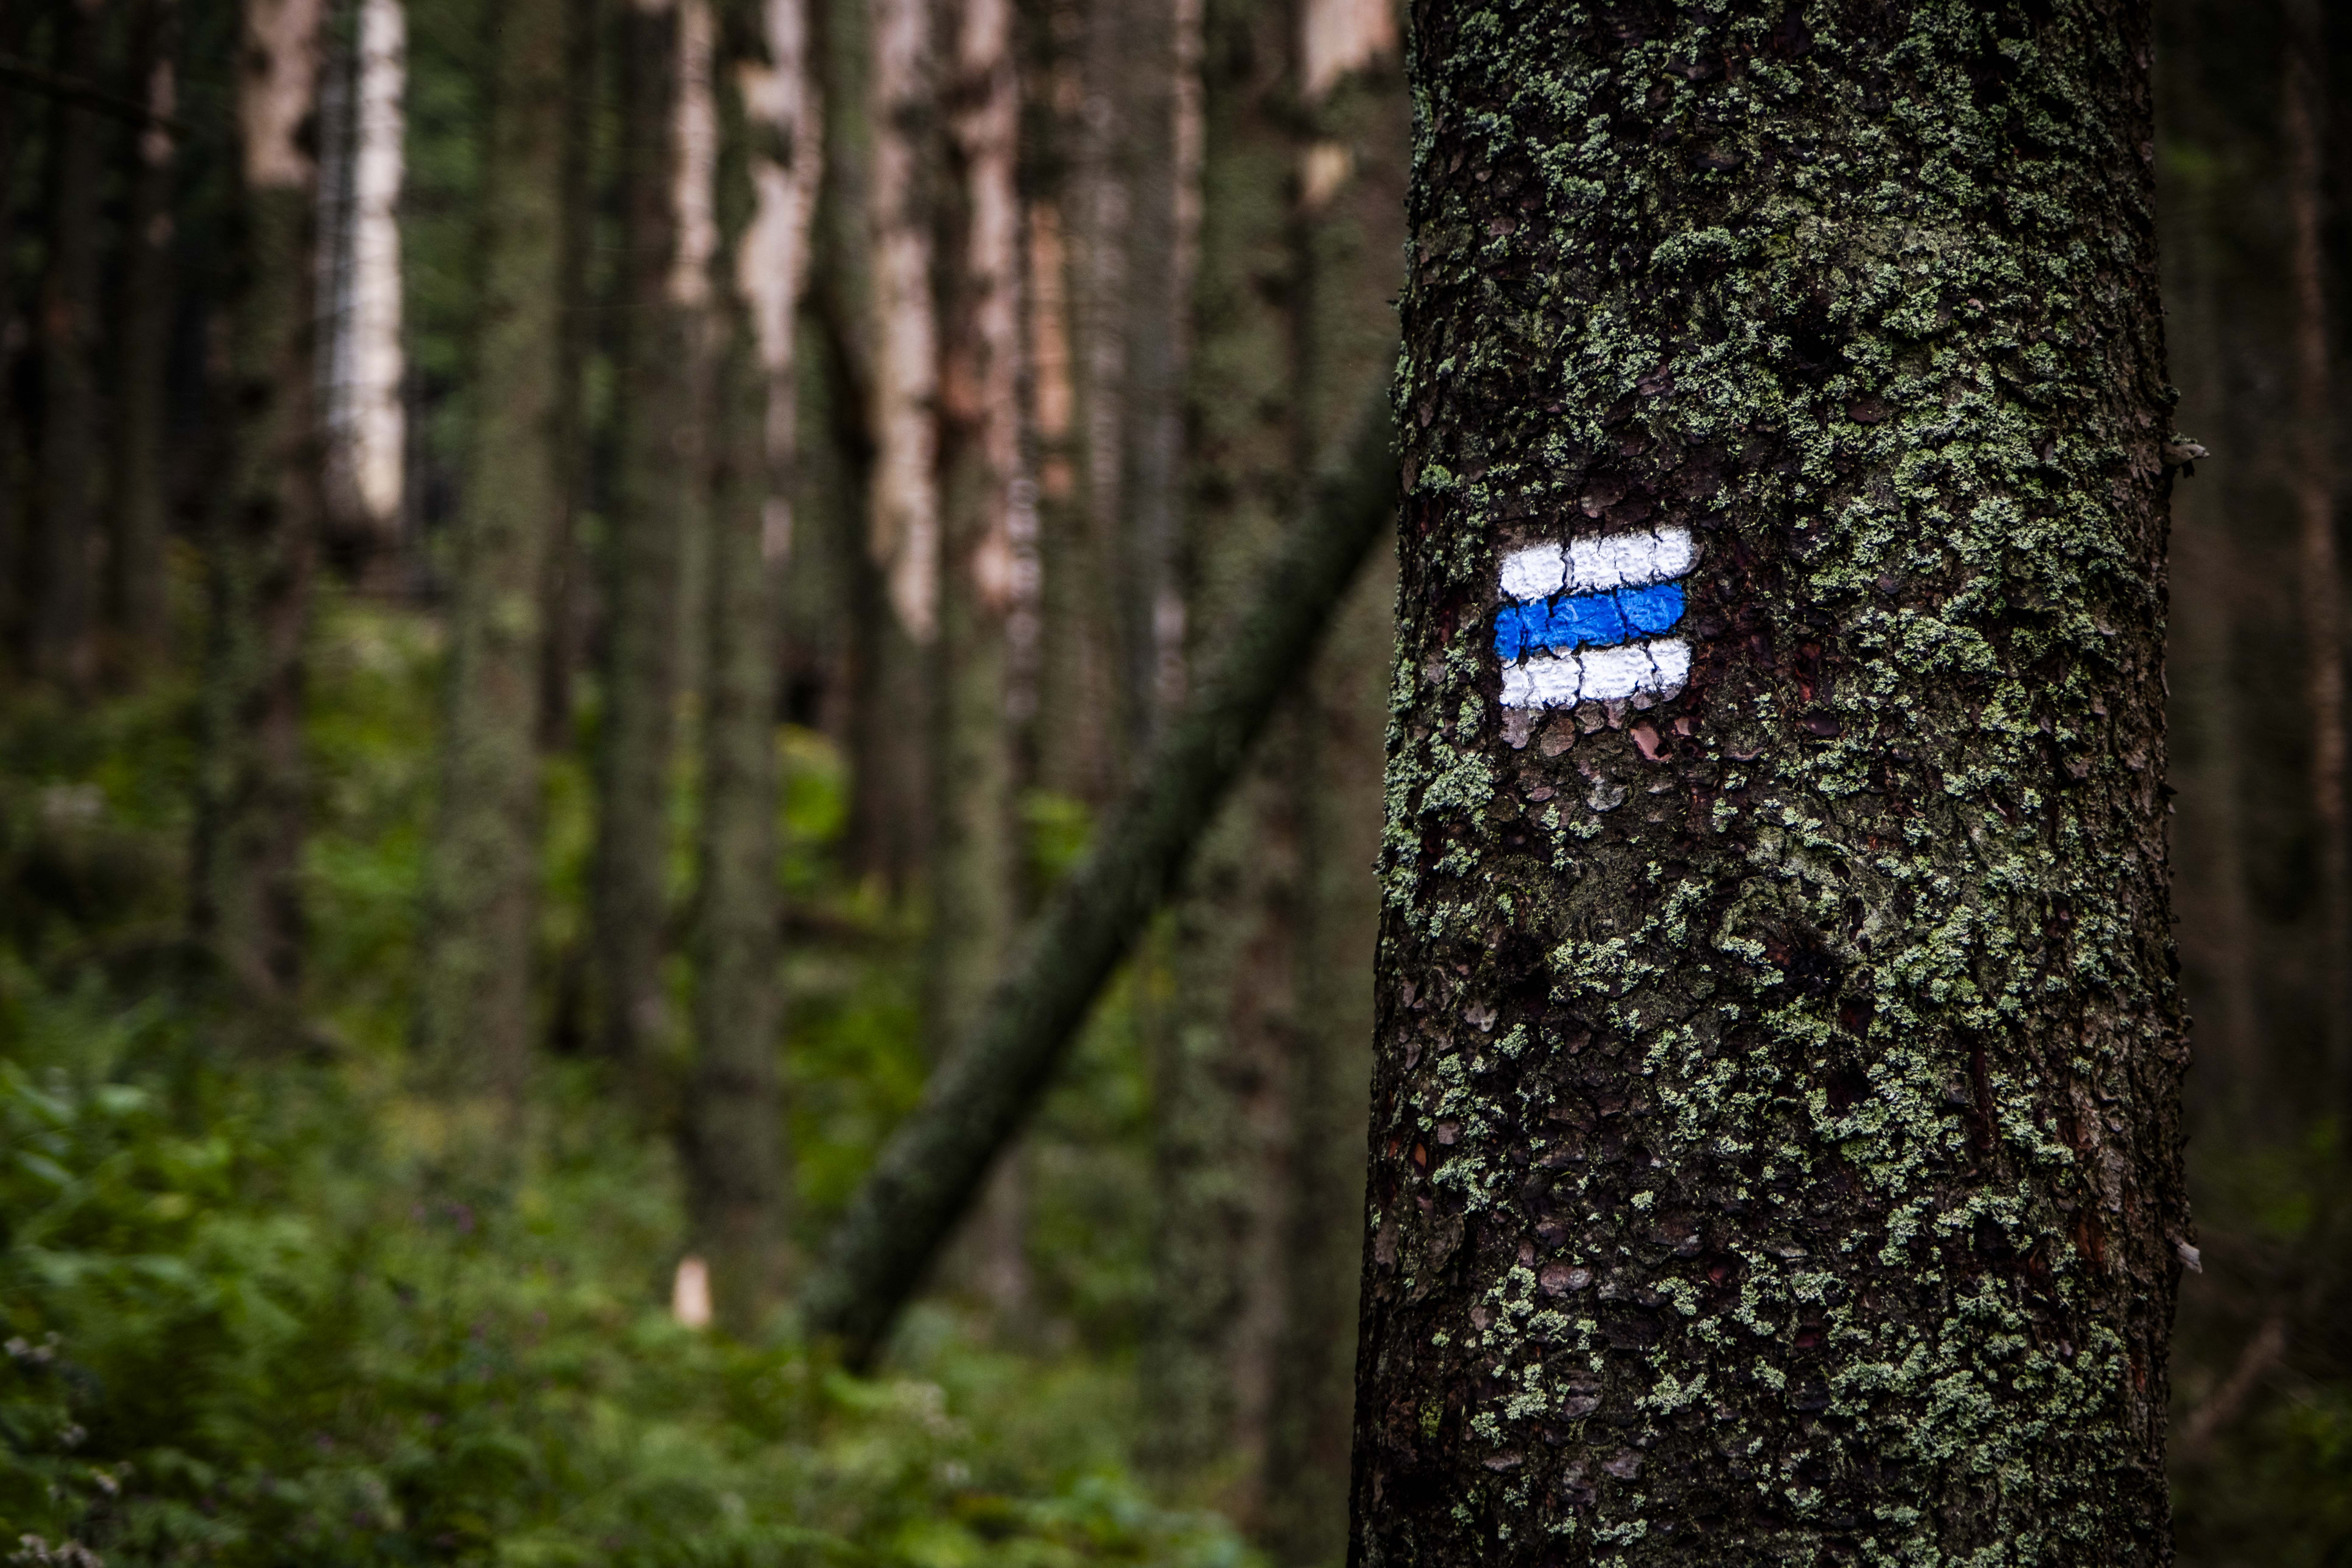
pixel 259 1304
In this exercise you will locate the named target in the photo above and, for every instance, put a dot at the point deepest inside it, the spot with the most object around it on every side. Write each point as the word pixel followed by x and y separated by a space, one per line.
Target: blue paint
pixel 1586 620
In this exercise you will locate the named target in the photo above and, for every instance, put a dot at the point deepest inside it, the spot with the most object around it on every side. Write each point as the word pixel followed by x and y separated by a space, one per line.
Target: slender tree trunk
pixel 16 28
pixel 482 865
pixel 63 648
pixel 1776 1122
pixel 565 586
pixel 734 1163
pixel 365 368
pixel 1163 123
pixel 974 870
pixel 259 554
pixel 1217 1039
pixel 138 560
pixel 661 495
pixel 1347 230
pixel 2319 578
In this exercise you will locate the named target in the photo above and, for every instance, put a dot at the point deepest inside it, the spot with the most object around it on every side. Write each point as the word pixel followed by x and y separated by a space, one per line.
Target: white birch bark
pixel 905 521
pixel 773 262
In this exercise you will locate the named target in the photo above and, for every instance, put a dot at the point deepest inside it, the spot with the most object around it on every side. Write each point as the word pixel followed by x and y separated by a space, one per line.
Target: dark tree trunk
pixel 1774 1149
pixel 137 561
pixel 482 864
pixel 659 497
pixel 564 577
pixel 1216 1038
pixel 262 540
pixel 63 650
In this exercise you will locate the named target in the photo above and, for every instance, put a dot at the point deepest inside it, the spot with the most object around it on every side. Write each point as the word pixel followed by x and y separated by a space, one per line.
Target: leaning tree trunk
pixel 1774 1147
pixel 259 550
pixel 482 864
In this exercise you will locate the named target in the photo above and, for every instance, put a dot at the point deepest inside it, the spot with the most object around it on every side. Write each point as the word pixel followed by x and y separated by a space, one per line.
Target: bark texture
pixel 929 1171
pixel 262 541
pixel 482 863
pixel 1775 1150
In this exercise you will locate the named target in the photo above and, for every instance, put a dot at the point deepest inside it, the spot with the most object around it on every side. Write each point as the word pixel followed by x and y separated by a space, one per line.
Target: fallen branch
pixel 974 1104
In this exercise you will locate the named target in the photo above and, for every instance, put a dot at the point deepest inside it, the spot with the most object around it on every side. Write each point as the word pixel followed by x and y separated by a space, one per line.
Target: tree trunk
pixel 259 557
pixel 63 650
pixel 1347 230
pixel 482 864
pixel 2319 579
pixel 138 560
pixel 15 29
pixel 735 1169
pixel 1216 1039
pixel 661 496
pixel 565 576
pixel 978 1097
pixel 1775 1126
pixel 974 870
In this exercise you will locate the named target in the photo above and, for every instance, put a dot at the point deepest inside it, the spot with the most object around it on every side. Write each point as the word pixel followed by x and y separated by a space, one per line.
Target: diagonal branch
pixel 975 1103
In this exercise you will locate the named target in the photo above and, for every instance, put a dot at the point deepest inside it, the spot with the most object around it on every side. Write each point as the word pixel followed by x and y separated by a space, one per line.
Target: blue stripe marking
pixel 1586 620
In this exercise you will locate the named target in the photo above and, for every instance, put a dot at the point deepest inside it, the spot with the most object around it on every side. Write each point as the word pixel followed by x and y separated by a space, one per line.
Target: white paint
pixel 1595 565
pixel 1659 667
pixel 1534 572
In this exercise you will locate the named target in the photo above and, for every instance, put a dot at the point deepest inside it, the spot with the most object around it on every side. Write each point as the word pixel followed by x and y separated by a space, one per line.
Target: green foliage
pixel 262 1310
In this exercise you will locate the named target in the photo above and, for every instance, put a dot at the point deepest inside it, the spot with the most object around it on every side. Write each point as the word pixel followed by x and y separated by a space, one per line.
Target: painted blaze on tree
pixel 1774 1149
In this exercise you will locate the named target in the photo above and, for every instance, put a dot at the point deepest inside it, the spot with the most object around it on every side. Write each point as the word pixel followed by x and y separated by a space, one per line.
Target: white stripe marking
pixel 1660 667
pixel 1598 564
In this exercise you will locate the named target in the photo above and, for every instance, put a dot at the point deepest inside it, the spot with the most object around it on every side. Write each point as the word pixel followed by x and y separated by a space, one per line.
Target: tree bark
pixel 138 562
pixel 661 496
pixel 565 581
pixel 482 864
pixel 976 1099
pixel 734 1162
pixel 63 648
pixel 246 886
pixel 1776 1124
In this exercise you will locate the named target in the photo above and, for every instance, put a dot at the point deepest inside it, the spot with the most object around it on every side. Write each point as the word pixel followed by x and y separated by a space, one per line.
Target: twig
pixel 83 95
pixel 2224 1404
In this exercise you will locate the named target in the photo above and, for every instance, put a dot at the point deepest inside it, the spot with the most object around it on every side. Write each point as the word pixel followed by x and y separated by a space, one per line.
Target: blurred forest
pixel 572 574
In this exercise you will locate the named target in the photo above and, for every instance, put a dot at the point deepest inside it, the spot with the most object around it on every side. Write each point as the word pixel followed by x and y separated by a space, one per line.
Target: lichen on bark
pixel 1775 1152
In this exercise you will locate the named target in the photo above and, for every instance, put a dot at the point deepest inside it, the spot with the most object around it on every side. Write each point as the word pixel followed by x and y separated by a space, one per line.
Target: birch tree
pixel 1776 1122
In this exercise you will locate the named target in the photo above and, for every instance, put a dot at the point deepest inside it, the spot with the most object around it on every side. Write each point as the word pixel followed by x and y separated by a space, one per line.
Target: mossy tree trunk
pixel 68 321
pixel 661 496
pixel 1775 1148
pixel 482 863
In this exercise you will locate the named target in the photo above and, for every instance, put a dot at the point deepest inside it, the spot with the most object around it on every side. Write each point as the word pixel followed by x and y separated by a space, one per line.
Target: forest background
pixel 617 449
